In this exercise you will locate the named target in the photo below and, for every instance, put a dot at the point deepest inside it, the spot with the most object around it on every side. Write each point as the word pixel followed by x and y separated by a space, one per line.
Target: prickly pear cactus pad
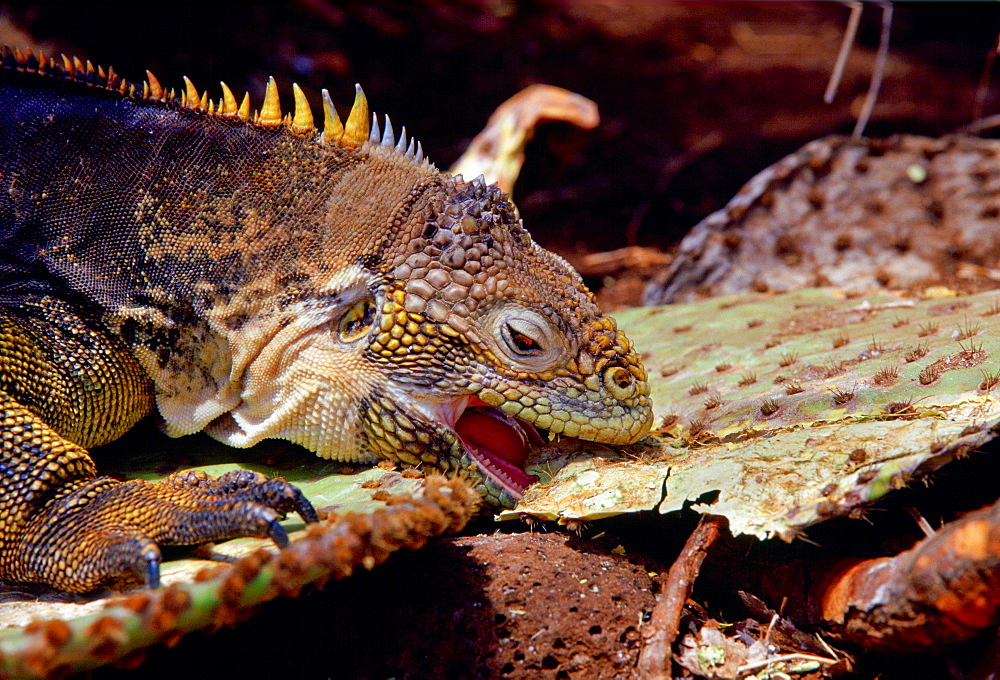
pixel 778 411
pixel 861 214
pixel 365 516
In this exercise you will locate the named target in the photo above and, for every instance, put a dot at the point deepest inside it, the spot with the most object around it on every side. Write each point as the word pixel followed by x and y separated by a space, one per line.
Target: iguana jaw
pixel 498 444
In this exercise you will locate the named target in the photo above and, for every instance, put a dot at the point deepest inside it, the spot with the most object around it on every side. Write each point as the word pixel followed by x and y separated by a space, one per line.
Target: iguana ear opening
pixel 357 321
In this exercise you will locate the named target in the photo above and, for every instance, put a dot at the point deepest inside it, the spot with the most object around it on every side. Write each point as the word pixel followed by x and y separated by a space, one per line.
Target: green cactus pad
pixel 778 411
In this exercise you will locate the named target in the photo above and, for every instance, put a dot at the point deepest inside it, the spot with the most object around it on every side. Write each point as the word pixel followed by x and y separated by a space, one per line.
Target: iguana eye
pixel 357 321
pixel 520 341
pixel 524 339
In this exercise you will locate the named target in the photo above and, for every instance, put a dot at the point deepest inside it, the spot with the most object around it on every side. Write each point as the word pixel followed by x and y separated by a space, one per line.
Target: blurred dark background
pixel 695 97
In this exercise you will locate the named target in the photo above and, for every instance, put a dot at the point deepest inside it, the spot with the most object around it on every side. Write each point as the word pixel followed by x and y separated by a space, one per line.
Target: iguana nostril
pixel 619 382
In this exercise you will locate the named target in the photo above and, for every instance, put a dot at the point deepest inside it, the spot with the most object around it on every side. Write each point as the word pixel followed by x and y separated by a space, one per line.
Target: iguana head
pixel 448 341
pixel 484 336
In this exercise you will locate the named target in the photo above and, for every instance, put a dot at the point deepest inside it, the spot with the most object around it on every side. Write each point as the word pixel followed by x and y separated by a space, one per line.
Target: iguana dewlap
pixel 259 278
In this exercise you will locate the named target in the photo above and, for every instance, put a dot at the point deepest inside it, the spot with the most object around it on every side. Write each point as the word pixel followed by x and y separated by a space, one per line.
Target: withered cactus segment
pixel 331 549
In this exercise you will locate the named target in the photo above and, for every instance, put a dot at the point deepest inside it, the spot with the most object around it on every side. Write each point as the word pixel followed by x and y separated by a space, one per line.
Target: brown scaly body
pixel 259 278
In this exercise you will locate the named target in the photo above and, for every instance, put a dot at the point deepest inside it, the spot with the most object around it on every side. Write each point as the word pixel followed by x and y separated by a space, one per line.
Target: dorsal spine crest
pixel 360 129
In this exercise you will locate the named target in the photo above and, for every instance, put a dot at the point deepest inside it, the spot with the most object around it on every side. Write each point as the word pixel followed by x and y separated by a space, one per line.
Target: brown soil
pixel 518 606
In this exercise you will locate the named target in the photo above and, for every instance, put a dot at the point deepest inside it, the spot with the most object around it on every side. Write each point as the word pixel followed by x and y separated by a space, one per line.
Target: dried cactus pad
pixel 779 411
pixel 904 212
pixel 371 514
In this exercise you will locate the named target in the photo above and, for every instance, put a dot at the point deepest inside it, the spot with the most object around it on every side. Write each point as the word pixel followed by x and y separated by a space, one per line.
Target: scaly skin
pixel 259 278
pixel 66 383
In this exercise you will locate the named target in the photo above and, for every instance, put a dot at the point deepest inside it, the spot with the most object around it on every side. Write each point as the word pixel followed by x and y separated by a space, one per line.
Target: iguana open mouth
pixel 499 443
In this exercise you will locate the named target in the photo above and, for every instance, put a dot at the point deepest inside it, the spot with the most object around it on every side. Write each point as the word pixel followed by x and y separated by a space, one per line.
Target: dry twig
pixel 877 73
pixel 661 631
pixel 845 49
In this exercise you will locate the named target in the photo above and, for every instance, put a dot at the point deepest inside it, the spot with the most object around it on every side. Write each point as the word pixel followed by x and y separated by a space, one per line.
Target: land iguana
pixel 252 276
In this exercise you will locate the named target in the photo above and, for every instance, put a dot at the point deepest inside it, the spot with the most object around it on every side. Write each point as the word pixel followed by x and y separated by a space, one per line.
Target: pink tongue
pixel 494 433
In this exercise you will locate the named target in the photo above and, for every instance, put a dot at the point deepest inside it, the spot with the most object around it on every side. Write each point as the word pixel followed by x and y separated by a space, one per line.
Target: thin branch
pixel 850 33
pixel 659 634
pixel 978 126
pixel 784 657
pixel 921 522
pixel 984 82
pixel 877 73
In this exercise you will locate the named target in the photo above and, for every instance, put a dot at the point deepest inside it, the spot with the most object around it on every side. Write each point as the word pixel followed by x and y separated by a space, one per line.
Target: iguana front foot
pixel 101 532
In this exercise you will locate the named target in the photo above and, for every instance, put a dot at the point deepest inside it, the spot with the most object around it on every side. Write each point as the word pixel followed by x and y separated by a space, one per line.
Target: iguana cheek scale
pixel 255 277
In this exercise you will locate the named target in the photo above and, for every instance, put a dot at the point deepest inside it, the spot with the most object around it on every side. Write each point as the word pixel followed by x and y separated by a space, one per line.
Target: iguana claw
pixel 277 534
pixel 153 571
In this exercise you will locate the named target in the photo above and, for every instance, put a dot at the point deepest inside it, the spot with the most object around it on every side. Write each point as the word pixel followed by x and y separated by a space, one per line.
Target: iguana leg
pixel 99 531
pixel 65 383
